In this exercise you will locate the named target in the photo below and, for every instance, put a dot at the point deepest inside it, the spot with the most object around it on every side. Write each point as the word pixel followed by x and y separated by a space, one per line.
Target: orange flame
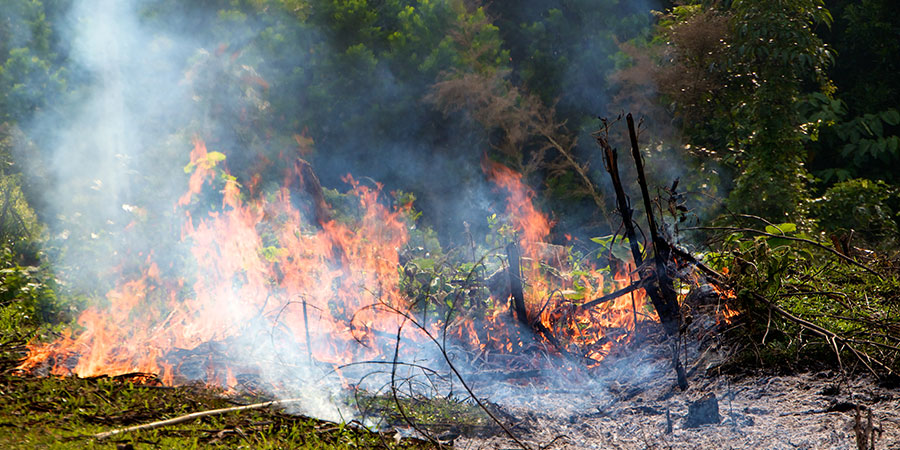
pixel 594 331
pixel 333 289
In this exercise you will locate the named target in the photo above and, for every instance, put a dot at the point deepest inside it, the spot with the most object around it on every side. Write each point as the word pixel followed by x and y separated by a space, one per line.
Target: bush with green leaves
pixel 806 305
pixel 860 205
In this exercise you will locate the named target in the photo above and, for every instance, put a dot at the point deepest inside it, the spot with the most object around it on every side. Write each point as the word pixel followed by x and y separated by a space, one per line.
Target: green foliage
pixel 29 75
pixel 736 75
pixel 862 146
pixel 813 284
pixel 774 51
pixel 615 246
pixel 860 205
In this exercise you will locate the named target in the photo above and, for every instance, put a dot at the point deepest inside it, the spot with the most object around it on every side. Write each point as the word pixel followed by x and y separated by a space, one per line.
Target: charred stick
pixel 612 167
pixel 612 296
pixel 642 180
pixel 633 309
pixel 515 282
pixel 518 295
pixel 611 158
pixel 668 311
pixel 310 184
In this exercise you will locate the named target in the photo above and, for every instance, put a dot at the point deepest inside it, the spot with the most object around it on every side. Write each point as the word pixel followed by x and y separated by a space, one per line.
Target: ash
pixel 634 403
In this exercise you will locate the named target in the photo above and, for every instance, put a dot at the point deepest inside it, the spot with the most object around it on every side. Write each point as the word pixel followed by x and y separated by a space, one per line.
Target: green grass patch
pixel 66 413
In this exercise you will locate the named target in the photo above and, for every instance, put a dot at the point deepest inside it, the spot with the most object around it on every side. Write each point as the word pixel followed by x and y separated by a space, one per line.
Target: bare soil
pixel 634 403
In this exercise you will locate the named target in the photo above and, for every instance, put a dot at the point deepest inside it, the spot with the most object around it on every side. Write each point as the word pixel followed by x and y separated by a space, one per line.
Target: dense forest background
pixel 775 111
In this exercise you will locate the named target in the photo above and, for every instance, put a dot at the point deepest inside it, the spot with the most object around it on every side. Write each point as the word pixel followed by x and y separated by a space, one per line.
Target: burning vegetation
pixel 275 274
pixel 393 216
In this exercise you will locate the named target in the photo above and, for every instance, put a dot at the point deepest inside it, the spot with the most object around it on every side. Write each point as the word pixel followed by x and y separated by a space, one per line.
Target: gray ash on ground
pixel 757 412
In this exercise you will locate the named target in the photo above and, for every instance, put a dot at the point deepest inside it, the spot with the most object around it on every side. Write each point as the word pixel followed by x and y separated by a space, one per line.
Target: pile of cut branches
pixel 806 302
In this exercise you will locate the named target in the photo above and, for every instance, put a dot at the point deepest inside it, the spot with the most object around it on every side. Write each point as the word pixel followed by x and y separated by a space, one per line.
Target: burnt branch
pixel 640 284
pixel 515 282
pixel 667 307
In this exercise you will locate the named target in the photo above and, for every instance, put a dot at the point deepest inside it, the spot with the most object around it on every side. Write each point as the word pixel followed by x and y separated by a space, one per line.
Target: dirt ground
pixel 809 411
pixel 635 404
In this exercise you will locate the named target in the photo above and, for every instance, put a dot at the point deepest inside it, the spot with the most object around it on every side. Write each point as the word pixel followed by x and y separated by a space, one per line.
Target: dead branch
pixel 662 293
pixel 612 167
pixel 829 336
pixel 640 284
pixel 669 315
pixel 196 415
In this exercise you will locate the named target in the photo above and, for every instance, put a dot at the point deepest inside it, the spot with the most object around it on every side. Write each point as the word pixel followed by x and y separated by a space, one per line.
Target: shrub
pixel 862 206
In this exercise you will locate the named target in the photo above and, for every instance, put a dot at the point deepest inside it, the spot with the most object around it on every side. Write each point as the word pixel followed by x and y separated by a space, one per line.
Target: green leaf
pixel 208 162
pixel 776 242
pixel 782 228
pixel 891 117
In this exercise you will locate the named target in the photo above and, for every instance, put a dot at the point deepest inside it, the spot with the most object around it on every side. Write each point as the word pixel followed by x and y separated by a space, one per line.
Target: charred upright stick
pixel 668 311
pixel 612 166
pixel 518 295
pixel 667 308
pixel 515 282
pixel 611 158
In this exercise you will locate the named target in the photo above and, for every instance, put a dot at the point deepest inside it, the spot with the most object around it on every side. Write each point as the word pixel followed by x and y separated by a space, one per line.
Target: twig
pixel 830 336
pixel 196 415
pixel 306 326
pixel 595 193
pixel 797 239
pixel 442 348
pixel 396 398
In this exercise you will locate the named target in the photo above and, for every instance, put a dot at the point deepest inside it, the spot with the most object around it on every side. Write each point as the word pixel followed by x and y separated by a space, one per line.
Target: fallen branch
pixel 196 415
pixel 830 336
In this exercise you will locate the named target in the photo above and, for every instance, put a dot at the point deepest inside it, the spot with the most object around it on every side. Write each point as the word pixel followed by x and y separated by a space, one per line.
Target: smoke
pixel 148 76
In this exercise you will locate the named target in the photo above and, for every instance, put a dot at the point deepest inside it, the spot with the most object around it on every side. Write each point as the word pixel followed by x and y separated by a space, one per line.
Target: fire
pixel 728 314
pixel 330 290
pixel 725 314
pixel 592 332
pixel 334 285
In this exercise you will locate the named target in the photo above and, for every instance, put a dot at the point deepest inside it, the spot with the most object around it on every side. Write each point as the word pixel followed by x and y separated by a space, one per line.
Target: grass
pixel 66 413
pixel 808 308
pixel 60 413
